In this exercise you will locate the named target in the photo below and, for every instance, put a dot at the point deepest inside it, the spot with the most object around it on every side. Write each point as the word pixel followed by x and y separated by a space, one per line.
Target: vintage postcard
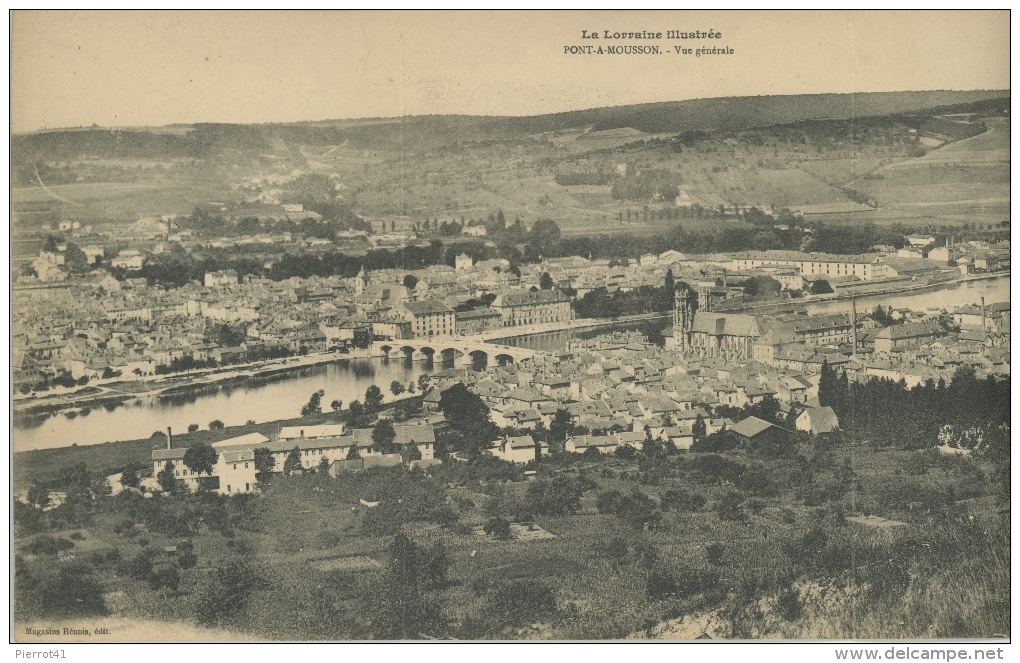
pixel 567 326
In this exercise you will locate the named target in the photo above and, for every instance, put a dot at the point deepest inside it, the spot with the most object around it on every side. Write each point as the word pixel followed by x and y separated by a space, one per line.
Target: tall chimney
pixel 983 328
pixel 853 324
pixel 169 438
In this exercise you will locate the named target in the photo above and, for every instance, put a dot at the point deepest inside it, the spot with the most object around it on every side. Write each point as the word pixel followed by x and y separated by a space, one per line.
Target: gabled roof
pixel 242 440
pixel 321 430
pixel 427 307
pixel 751 427
pixel 725 324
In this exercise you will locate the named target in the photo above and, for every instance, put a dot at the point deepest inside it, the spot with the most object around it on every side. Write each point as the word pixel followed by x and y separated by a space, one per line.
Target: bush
pixel 164 576
pixel 661 585
pixel 789 604
pixel 48 545
pixel 140 567
pixel 498 528
pixel 715 552
pixel 520 602
pixel 682 500
pixel 728 507
pixel 65 592
pixel 637 508
pixel 716 468
pixel 226 595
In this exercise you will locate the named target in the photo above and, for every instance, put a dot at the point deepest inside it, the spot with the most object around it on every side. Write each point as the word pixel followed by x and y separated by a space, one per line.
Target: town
pixel 729 369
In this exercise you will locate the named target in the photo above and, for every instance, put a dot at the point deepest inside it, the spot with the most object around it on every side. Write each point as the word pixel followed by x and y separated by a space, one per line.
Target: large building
pixel 533 307
pixel 866 266
pixel 430 318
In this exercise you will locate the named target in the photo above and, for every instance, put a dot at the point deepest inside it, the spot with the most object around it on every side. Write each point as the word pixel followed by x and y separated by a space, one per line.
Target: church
pixel 698 331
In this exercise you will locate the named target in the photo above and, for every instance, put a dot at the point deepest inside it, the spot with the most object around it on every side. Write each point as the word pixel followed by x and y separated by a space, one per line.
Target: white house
pixel 816 420
pixel 520 450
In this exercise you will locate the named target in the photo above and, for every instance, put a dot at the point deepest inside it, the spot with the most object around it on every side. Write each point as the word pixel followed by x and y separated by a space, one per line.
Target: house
pixel 578 444
pixel 899 337
pixel 817 420
pixel 759 431
pixel 234 470
pixel 521 450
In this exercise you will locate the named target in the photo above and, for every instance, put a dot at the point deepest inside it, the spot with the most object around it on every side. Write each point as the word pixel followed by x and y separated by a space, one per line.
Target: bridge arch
pixel 479 360
pixel 504 359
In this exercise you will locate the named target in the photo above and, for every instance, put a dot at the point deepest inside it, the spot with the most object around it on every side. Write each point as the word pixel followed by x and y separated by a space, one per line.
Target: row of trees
pixel 963 413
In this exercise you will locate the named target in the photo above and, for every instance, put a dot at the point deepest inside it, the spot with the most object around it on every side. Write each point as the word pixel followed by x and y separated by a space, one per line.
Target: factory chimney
pixel 983 328
pixel 169 438
pixel 853 324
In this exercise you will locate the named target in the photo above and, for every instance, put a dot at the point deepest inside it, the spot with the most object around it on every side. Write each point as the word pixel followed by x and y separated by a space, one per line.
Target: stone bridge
pixel 462 352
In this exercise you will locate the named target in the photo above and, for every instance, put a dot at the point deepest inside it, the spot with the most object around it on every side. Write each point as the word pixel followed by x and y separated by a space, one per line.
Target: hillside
pixel 630 166
pixel 425 132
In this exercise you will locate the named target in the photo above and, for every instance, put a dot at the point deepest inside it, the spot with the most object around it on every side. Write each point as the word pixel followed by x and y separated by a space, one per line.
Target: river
pixel 282 397
pixel 262 399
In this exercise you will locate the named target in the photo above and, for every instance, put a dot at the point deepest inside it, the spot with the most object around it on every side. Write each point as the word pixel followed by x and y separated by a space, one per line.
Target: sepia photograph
pixel 563 326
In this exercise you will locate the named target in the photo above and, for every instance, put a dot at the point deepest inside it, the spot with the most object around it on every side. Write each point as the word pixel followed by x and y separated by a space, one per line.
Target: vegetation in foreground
pixel 741 542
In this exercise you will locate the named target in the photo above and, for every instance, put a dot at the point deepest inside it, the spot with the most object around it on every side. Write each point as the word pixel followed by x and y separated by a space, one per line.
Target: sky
pixel 76 68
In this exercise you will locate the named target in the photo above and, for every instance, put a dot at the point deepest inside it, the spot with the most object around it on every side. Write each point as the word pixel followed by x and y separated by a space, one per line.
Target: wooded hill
pixel 424 133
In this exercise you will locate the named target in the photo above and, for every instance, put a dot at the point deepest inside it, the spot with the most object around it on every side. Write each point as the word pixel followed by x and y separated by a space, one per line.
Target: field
pixel 111 200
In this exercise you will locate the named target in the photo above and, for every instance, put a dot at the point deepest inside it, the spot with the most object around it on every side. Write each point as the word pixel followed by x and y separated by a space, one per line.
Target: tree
pixel 555 498
pixel 382 437
pixel 403 610
pixel 265 462
pixel 544 236
pixel 293 461
pixel 314 404
pixel 561 426
pixel 545 281
pixel 423 382
pixel 469 417
pixel 215 424
pixel 396 387
pixel 192 428
pixel 323 465
pixel 699 428
pixel 336 406
pixel 356 409
pixel 410 281
pixel 827 385
pixel 200 458
pixel 410 452
pixel 373 397
pixel 167 481
pixel 39 494
pixel 763 287
pixel 129 478
pixel 353 453
pixel 625 452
